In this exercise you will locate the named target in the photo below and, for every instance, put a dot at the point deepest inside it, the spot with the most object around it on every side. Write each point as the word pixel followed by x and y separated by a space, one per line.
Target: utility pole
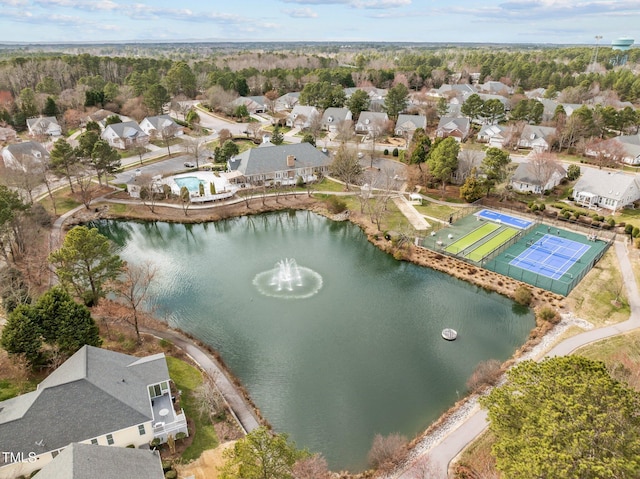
pixel 594 59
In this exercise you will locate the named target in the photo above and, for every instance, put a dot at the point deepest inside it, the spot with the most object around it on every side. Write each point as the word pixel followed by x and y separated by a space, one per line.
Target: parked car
pixel 188 164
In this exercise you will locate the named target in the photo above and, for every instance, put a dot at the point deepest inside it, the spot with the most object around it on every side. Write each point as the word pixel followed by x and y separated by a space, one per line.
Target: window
pixel 141 430
pixel 110 440
pixel 94 441
pixel 54 453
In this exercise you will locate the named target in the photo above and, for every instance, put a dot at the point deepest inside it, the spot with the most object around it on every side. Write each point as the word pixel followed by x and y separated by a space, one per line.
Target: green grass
pixel 491 245
pixel 606 350
pixel 471 238
pixel 10 389
pixel 64 201
pixel 435 210
pixel 187 379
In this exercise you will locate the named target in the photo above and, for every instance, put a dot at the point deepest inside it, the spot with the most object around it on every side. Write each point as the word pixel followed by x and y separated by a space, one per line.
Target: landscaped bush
pixel 395 152
pixel 171 474
pixel 486 373
pixel 336 205
pixel 628 229
pixel 548 314
pixel 636 232
pixel 386 152
pixel 523 295
pixel 611 222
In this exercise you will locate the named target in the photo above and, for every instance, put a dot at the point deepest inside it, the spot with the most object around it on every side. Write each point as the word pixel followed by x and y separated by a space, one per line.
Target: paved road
pixel 453 443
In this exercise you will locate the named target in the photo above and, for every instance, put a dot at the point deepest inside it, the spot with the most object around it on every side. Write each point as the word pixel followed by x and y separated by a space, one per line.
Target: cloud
pixel 13 3
pixel 301 13
pixel 373 4
pixel 103 5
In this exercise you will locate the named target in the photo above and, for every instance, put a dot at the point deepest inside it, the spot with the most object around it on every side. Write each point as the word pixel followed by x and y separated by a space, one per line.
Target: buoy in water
pixel 449 334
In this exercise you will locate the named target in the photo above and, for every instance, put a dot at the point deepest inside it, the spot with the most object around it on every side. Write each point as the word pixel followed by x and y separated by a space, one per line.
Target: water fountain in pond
pixel 288 280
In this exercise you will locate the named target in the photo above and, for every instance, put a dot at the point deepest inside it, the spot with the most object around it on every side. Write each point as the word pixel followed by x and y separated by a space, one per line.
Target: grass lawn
pixel 64 201
pixel 610 349
pixel 330 185
pixel 10 388
pixel 187 378
pixel 435 210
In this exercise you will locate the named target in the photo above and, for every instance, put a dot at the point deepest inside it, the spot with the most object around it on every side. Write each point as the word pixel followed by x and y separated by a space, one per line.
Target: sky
pixel 495 21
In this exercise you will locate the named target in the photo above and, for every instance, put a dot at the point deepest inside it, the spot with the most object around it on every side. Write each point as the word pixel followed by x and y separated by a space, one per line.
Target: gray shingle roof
pixel 93 393
pixel 126 129
pixel 267 159
pixel 335 115
pixel 161 121
pixel 85 461
pixel 27 148
pixel 607 184
pixel 411 121
pixel 525 173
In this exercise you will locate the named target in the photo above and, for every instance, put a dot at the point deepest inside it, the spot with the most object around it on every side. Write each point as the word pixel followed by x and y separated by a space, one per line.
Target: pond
pixel 354 351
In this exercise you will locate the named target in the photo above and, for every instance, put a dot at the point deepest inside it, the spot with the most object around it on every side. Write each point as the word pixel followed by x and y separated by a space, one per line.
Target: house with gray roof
pixel 458 128
pixel 528 177
pixel 44 126
pixel 631 145
pixel 332 117
pixel 254 104
pixel 7 134
pixel 447 90
pixel 496 88
pixel 96 397
pixel 283 164
pixel 24 156
pixel 494 135
pixel 536 137
pixel 100 117
pixel 87 461
pixel 287 101
pixel 125 135
pixel 161 126
pixel 302 116
pixel 407 124
pixel 612 190
pixel 370 120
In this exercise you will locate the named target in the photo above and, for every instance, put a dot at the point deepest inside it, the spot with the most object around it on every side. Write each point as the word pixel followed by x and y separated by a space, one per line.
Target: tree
pixel 180 79
pixel 385 449
pixel 27 102
pixel 192 118
pixel 185 200
pixel 277 138
pixel 442 107
pixel 133 288
pixel 196 148
pixel 241 111
pixel 564 417
pixel 573 172
pixel 473 107
pixel 86 263
pixel 543 165
pixel 473 188
pixel 226 151
pixel 322 95
pixel 105 159
pixel 396 100
pixel 358 102
pixel 261 455
pixel 494 166
pixel 63 160
pixel 50 107
pixel 345 166
pixel 12 209
pixel 420 146
pixel 443 160
pixel 308 138
pixel 112 120
pixel 311 467
pixel 155 97
pixel 86 142
pixel 21 335
pixel 493 111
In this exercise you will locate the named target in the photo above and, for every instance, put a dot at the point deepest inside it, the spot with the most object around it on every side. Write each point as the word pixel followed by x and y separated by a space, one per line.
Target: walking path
pixel 446 442
pixel 416 219
pixel 240 408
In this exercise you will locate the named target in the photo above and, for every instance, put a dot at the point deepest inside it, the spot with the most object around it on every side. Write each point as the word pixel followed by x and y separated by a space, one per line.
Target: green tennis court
pixel 491 245
pixel 471 238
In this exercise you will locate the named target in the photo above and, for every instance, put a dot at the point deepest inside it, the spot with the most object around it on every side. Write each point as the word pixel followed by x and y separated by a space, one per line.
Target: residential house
pixel 536 137
pixel 549 110
pixel 161 126
pixel 44 126
pixel 496 88
pixel 448 91
pixel 536 93
pixel 23 156
pixel 125 135
pixel 287 101
pixel 407 124
pixel 569 108
pixel 375 94
pixel 100 117
pixel 494 135
pixel 254 104
pixel 302 116
pixel 370 121
pixel 96 397
pixel 612 190
pixel 284 164
pixel 332 117
pixel 458 128
pixel 527 178
pixel 88 461
pixel 7 134
pixel 631 145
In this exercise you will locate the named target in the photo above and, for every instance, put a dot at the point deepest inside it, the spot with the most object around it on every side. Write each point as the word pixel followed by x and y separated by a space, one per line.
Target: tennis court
pixel 550 256
pixel 479 253
pixel 471 238
pixel 504 219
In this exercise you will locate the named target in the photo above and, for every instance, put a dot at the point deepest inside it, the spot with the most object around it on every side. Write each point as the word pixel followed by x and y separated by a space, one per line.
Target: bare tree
pixel 385 450
pixel 149 191
pixel 219 99
pixel 345 132
pixel 224 135
pixel 185 200
pixel 133 288
pixel 543 165
pixel 196 147
pixel 346 167
pixel 253 130
pixel 315 125
pixel 423 468
pixel 312 467
pixel 605 152
pixel 26 174
pixel 208 399
pixel 378 129
pixel 486 373
pixel 86 187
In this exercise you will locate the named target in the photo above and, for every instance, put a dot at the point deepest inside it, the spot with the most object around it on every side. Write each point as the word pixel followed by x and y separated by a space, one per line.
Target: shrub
pixel 165 343
pixel 180 435
pixel 573 172
pixel 542 207
pixel 212 188
pixel 567 215
pixel 336 205
pixel 628 229
pixel 486 373
pixel 534 207
pixel 395 152
pixel 171 474
pixel 548 314
pixel 385 449
pixel 386 152
pixel 523 295
pixel 636 232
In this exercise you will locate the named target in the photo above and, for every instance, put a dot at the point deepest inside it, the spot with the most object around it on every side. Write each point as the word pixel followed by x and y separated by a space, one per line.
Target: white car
pixel 188 164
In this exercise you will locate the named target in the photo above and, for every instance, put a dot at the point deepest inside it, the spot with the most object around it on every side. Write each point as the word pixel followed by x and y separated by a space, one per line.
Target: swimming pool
pixel 191 182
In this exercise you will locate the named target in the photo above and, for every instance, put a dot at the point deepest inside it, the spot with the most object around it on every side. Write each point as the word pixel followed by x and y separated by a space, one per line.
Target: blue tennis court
pixel 550 256
pixel 504 219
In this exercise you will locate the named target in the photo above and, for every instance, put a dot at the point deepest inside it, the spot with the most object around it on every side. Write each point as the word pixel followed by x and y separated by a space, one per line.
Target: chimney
pixel 291 161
